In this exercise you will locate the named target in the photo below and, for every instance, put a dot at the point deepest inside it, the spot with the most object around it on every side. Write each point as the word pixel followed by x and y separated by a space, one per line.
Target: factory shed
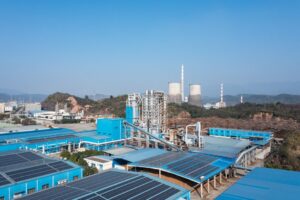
pixel 114 184
pixel 260 138
pixel 139 155
pixel 195 167
pixel 26 172
pixel 46 141
pixel 263 183
pixel 224 147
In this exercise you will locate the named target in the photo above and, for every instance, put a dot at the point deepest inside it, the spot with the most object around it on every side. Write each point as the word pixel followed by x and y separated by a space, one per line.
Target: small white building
pixel 100 162
pixel 33 107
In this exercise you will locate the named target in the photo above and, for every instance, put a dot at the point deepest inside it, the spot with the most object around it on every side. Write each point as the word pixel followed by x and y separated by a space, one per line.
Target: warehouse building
pixel 25 172
pixel 109 134
pixel 261 138
pixel 114 184
pixel 190 170
pixel 263 183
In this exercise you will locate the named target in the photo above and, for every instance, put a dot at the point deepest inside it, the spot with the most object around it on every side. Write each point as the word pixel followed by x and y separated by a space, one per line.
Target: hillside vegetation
pixel 111 105
pixel 240 111
pixel 256 99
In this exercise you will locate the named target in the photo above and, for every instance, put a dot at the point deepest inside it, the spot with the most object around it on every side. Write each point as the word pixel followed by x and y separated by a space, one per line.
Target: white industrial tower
pixel 222 93
pixel 182 83
pixel 221 104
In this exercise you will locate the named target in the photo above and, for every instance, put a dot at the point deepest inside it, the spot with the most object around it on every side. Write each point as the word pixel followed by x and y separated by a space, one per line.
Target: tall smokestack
pixel 222 93
pixel 182 83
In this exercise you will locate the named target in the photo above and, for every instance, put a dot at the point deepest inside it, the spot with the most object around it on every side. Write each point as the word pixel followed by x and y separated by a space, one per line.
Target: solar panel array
pixel 19 166
pixel 13 159
pixel 40 170
pixel 49 139
pixel 111 185
pixel 188 165
pixel 31 172
pixel 3 180
pixel 163 159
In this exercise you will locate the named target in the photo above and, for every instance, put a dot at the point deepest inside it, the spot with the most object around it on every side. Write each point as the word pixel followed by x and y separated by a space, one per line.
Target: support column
pixel 220 176
pixel 147 141
pixel 215 182
pixel 159 173
pixel 201 190
pixel 139 139
pixel 208 186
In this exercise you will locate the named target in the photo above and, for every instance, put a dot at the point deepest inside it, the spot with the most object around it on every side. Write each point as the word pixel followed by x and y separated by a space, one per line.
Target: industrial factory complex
pixel 142 159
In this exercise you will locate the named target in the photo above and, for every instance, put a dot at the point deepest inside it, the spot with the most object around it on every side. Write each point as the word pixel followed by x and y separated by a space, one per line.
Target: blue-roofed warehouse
pixel 109 134
pixel 113 185
pixel 264 184
pixel 26 172
pixel 195 168
pixel 256 137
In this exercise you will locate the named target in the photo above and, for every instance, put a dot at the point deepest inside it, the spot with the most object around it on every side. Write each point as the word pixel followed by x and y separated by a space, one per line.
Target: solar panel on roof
pixel 60 166
pixel 61 192
pixel 32 172
pixel 48 139
pixel 11 159
pixel 115 190
pixel 162 159
pixel 90 196
pixel 166 194
pixel 109 185
pixel 30 156
pixel 3 180
pixel 150 193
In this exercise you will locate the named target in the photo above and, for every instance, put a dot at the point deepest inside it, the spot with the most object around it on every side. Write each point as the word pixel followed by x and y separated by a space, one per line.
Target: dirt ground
pixel 78 127
pixel 215 192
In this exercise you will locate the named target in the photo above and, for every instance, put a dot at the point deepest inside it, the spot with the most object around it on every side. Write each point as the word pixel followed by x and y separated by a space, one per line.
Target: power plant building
pixel 195 95
pixel 154 111
pixel 175 93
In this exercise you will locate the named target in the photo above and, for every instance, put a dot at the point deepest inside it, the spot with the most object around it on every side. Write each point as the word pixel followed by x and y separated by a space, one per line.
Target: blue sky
pixel 121 46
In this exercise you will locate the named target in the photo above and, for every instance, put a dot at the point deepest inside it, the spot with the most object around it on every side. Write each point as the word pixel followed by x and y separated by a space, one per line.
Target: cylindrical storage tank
pixel 195 95
pixel 174 93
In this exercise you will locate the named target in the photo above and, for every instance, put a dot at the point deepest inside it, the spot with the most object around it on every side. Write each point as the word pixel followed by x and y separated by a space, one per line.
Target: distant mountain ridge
pixel 255 98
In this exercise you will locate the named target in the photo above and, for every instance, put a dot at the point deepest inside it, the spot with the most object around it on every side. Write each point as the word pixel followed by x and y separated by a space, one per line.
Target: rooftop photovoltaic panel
pixel 162 159
pixel 3 180
pixel 32 172
pixel 112 185
pixel 49 139
pixel 30 156
pixel 60 166
pixel 196 167
pixel 11 159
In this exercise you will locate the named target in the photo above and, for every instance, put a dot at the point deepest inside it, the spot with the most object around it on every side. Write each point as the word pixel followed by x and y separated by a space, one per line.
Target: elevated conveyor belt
pixel 152 136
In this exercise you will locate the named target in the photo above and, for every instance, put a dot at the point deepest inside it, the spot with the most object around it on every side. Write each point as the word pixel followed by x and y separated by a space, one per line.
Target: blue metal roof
pixel 25 135
pixel 224 147
pixel 140 154
pixel 264 183
pixel 161 159
pixel 256 137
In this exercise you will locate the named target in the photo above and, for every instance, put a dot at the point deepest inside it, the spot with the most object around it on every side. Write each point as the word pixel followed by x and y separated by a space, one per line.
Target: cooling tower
pixel 174 93
pixel 195 95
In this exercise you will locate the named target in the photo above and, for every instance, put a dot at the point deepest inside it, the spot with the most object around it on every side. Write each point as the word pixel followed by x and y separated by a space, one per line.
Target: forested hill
pixel 111 105
pixel 257 99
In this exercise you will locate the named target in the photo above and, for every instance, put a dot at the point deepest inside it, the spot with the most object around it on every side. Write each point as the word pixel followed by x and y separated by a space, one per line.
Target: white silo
pixel 174 92
pixel 195 95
